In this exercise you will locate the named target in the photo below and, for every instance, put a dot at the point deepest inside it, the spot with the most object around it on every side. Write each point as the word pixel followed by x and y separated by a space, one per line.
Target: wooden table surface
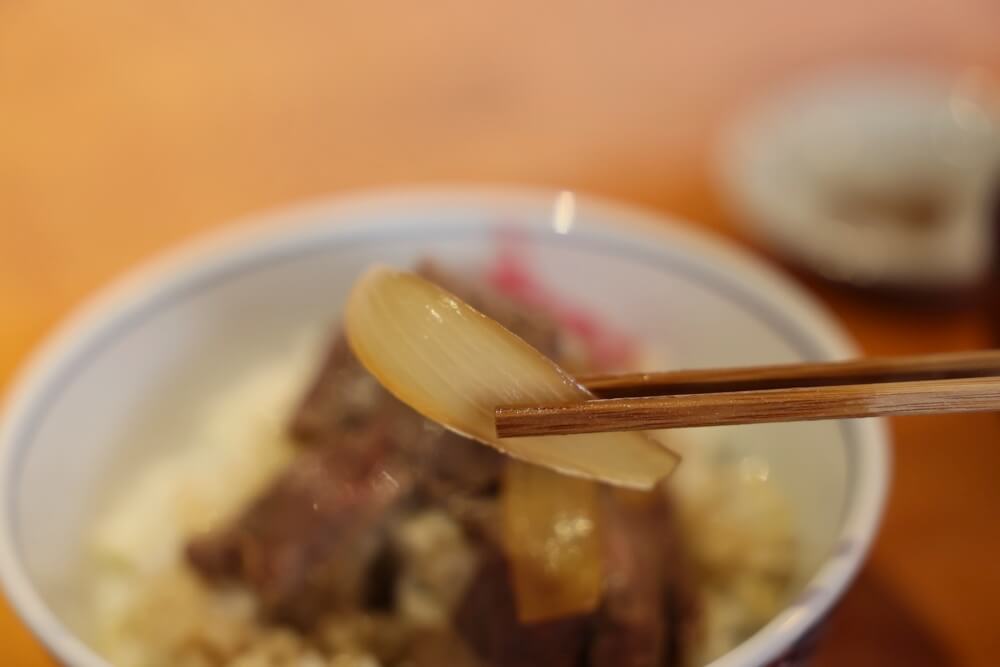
pixel 128 125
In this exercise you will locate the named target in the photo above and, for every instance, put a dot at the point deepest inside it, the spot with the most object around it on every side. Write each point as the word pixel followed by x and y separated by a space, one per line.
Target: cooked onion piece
pixel 552 538
pixel 454 365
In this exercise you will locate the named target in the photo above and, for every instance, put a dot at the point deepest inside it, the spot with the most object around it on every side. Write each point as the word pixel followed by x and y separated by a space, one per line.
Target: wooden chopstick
pixel 751 407
pixel 977 391
pixel 980 363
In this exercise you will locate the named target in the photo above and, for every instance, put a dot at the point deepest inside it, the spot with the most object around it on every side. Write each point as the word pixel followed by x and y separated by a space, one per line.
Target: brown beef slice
pixel 441 649
pixel 306 545
pixel 486 618
pixel 630 627
pixel 444 464
pixel 448 465
pixel 644 614
pixel 342 397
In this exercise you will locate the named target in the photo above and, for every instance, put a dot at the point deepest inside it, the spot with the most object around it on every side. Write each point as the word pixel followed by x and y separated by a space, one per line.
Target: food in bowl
pixel 317 520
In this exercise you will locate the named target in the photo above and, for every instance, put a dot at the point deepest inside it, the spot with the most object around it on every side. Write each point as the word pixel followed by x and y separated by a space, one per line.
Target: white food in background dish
pixel 826 173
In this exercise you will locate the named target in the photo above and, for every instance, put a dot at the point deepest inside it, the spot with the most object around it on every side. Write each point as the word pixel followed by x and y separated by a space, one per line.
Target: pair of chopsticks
pixel 942 383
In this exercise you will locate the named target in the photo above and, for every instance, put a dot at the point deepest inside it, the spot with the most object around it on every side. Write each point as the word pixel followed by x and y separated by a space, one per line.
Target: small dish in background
pixel 877 180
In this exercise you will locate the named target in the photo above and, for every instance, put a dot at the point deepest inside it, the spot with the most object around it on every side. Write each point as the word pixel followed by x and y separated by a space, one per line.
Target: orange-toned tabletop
pixel 126 126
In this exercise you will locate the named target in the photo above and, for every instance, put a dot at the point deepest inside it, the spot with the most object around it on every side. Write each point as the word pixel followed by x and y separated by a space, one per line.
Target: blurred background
pixel 853 142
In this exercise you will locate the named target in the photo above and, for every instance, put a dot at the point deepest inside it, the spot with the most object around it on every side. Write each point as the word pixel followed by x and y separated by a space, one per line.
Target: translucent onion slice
pixel 454 365
pixel 553 542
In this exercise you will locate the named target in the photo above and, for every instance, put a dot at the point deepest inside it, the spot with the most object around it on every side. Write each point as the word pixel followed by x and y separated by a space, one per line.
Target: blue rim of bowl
pixel 290 235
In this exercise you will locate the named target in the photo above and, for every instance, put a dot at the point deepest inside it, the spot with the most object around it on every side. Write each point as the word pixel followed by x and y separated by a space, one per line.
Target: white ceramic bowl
pixel 109 390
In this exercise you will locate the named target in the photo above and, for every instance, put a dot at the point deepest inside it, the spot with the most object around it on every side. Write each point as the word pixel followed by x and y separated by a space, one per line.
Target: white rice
pixel 238 445
pixel 739 531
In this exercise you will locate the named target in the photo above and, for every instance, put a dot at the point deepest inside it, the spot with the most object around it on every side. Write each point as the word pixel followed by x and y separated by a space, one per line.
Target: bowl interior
pixel 121 388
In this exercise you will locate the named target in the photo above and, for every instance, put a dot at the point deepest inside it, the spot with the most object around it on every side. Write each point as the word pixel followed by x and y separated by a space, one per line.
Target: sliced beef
pixel 308 544
pixel 319 530
pixel 441 649
pixel 449 465
pixel 345 400
pixel 681 600
pixel 342 398
pixel 641 619
pixel 630 626
pixel 486 619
